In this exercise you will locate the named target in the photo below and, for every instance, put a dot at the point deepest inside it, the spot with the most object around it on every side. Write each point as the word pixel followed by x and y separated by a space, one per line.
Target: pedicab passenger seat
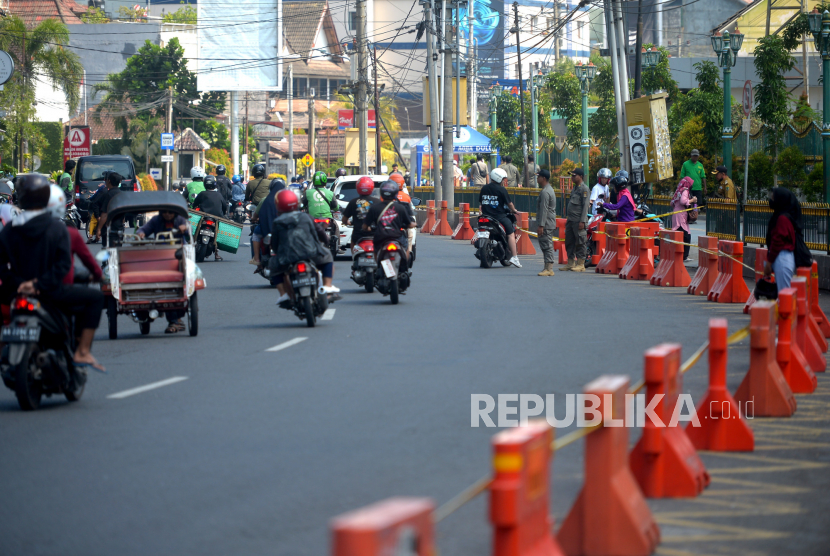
pixel 150 266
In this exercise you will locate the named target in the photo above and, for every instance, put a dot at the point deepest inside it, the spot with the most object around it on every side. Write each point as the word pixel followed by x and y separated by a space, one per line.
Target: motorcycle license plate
pixel 18 334
pixel 207 233
pixel 304 281
pixel 388 268
pixel 367 262
pixel 485 235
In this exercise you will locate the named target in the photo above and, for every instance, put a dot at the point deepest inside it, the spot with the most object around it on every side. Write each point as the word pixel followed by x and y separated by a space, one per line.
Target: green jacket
pixel 320 202
pixel 695 171
pixel 66 183
pixel 193 189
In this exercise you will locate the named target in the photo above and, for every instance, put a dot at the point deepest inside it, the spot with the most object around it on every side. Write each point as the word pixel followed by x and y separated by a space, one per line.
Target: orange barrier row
pixel 523 244
pixel 430 222
pixel 818 314
pixel 640 263
pixel 392 526
pixel 707 266
pixel 442 225
pixel 794 365
pixel 760 259
pixel 464 230
pixel 671 272
pixel 730 286
pixel 664 461
pixel 616 251
pixel 560 245
pixel 815 330
pixel 600 240
pixel 806 340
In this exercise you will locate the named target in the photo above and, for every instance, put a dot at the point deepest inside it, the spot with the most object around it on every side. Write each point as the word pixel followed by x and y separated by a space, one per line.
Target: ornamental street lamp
pixel 650 59
pixel 727 46
pixel 493 106
pixel 820 29
pixel 585 74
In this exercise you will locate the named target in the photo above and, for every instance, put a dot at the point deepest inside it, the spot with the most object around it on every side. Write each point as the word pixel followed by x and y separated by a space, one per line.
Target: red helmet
pixel 287 201
pixel 397 178
pixel 365 186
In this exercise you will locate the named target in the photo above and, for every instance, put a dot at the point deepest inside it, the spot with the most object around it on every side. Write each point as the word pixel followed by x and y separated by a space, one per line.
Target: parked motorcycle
pixel 237 212
pixel 364 264
pixel 388 278
pixel 309 299
pixel 204 238
pixel 491 242
pixel 72 217
pixel 38 354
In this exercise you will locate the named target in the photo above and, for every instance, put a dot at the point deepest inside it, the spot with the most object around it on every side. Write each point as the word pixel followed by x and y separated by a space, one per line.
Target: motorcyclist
pixel 495 202
pixel 264 216
pixel 66 178
pixel 319 200
pixel 210 201
pixel 223 183
pixel 35 257
pixel 625 205
pixel 340 173
pixel 237 189
pixel 358 208
pixel 257 188
pixel 403 195
pixel 196 185
pixel 294 238
pixel 600 190
pixel 77 246
pixel 391 220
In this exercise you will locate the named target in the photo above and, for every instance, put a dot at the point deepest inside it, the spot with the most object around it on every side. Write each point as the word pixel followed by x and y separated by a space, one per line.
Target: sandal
pixel 174 327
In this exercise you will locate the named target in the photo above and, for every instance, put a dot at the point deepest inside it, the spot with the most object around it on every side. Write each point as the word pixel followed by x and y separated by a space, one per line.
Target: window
pixel 352 21
pixel 551 24
pixel 579 26
pixel 534 23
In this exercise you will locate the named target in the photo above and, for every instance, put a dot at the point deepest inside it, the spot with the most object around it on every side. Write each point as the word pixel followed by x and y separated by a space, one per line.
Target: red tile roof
pixel 32 12
pixel 189 140
pixel 104 130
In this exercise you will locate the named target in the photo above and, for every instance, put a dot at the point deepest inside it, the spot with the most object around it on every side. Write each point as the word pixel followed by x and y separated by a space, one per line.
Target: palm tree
pixel 39 54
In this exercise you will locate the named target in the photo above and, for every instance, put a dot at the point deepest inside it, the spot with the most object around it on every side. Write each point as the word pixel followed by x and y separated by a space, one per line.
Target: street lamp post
pixel 585 74
pixel 727 47
pixel 820 29
pixel 649 60
pixel 494 105
pixel 534 119
pixel 538 83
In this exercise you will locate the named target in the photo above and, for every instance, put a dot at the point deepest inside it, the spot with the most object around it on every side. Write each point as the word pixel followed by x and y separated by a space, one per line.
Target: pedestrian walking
pixel 479 172
pixel 511 171
pixel 576 237
pixel 532 172
pixel 726 189
pixel 785 238
pixel 546 220
pixel 680 221
pixel 693 168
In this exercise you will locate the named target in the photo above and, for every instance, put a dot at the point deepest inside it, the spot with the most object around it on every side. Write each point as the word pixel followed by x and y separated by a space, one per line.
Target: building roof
pixel 302 19
pixel 32 12
pixel 106 129
pixel 320 67
pixel 333 146
pixel 189 140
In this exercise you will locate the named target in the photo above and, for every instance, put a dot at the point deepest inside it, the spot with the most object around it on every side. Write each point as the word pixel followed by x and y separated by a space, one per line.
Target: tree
pixel 43 58
pixel 790 166
pixel 145 141
pixel 772 61
pixel 602 124
pixel 187 14
pixel 760 175
pixel 563 91
pixel 660 77
pixel 706 103
pixel 136 13
pixel 506 137
pixel 94 15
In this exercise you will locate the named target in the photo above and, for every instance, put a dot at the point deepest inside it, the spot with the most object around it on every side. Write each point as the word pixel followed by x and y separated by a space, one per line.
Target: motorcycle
pixel 306 291
pixel 204 238
pixel 38 354
pixel 72 216
pixel 237 212
pixel 264 257
pixel 363 264
pixel 250 209
pixel 334 234
pixel 491 242
pixel 388 278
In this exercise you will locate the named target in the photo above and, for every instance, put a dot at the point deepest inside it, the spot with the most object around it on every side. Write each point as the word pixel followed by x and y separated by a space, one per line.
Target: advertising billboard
pixel 345 119
pixel 488 32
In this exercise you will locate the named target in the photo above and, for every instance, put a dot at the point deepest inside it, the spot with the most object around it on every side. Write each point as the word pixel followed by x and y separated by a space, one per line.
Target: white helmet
pixel 498 175
pixel 197 172
pixel 57 201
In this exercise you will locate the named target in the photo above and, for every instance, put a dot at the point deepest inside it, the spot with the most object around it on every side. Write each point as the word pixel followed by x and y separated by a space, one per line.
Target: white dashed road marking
pixel 287 344
pixel 146 387
pixel 328 315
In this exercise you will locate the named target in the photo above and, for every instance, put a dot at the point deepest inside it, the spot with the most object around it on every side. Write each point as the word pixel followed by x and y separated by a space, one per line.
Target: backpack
pixel 296 243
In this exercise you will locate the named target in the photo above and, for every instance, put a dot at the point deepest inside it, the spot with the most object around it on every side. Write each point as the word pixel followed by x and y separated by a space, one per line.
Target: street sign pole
pixel 747 102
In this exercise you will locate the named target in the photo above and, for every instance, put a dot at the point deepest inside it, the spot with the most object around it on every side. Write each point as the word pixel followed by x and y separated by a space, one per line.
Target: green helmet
pixel 320 179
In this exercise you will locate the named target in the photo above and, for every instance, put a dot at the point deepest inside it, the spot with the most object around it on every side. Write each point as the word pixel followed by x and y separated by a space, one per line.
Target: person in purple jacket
pixel 625 202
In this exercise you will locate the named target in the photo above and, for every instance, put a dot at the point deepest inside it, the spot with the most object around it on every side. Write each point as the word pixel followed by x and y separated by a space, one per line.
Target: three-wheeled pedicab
pixel 144 278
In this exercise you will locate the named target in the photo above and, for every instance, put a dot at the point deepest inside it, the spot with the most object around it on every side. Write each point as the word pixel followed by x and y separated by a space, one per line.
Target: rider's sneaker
pixel 283 298
pixel 331 289
pixel 515 262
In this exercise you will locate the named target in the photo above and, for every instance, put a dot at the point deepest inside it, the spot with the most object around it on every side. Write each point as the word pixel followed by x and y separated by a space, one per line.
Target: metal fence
pixel 524 198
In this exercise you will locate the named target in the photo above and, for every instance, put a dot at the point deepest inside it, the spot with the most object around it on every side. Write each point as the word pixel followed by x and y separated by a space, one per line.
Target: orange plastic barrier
pixel 560 244
pixel 519 494
pixel 760 259
pixel 730 286
pixel 430 222
pixel 806 341
pixel 818 314
pixel 764 385
pixel 812 324
pixel 392 526
pixel 464 230
pixel 610 515
pixel 671 271
pixel 523 244
pixel 722 426
pixel 442 225
pixel 616 251
pixel 664 461
pixel 640 263
pixel 652 230
pixel 794 366
pixel 600 240
pixel 707 266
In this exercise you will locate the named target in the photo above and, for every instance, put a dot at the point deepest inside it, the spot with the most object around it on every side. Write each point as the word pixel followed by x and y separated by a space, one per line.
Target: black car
pixel 91 171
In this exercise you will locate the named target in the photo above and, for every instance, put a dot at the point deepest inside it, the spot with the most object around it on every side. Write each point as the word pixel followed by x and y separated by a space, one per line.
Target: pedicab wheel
pixel 393 292
pixel 369 284
pixel 310 319
pixel 193 315
pixel 26 388
pixel 144 327
pixel 112 317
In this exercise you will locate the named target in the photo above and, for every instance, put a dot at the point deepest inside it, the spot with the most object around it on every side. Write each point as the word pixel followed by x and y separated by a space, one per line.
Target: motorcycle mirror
pixel 416 201
pixel 102 256
pixel 266 240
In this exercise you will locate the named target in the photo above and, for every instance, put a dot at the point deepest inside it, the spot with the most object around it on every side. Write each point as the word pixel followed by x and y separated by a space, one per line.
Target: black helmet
pixel 258 171
pixel 389 190
pixel 210 182
pixel 220 170
pixel 277 184
pixel 33 191
pixel 340 172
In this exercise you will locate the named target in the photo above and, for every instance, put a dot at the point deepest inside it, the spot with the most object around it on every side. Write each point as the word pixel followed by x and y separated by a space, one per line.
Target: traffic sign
pixel 6 66
pixel 77 143
pixel 167 158
pixel 308 160
pixel 155 173
pixel 747 98
pixel 167 141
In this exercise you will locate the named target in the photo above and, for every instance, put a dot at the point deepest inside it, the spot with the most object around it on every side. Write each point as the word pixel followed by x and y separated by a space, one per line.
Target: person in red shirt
pixel 785 238
pixel 77 245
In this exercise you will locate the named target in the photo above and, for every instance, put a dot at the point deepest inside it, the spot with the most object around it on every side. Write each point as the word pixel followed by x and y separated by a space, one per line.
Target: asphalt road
pixel 254 451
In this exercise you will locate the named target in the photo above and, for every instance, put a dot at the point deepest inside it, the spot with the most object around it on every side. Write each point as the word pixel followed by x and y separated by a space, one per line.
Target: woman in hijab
pixel 680 221
pixel 785 238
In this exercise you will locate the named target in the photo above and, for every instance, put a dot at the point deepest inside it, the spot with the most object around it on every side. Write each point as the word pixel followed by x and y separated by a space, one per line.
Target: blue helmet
pixel 236 178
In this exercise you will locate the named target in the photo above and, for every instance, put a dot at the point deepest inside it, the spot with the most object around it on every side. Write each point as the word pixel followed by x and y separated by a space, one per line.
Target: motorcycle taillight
pixel 301 268
pixel 484 220
pixel 210 222
pixel 23 304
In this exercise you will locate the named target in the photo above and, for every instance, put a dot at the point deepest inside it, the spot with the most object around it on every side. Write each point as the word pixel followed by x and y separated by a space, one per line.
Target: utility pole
pixel 471 76
pixel 804 61
pixel 291 120
pixel 378 164
pixel 24 79
pixel 638 59
pixel 458 4
pixel 234 132
pixel 556 32
pixel 534 115
pixel 521 92
pixel 169 130
pixel 432 57
pixel 615 72
pixel 311 131
pixel 447 171
pixel 622 43
pixel 360 99
pixel 247 150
